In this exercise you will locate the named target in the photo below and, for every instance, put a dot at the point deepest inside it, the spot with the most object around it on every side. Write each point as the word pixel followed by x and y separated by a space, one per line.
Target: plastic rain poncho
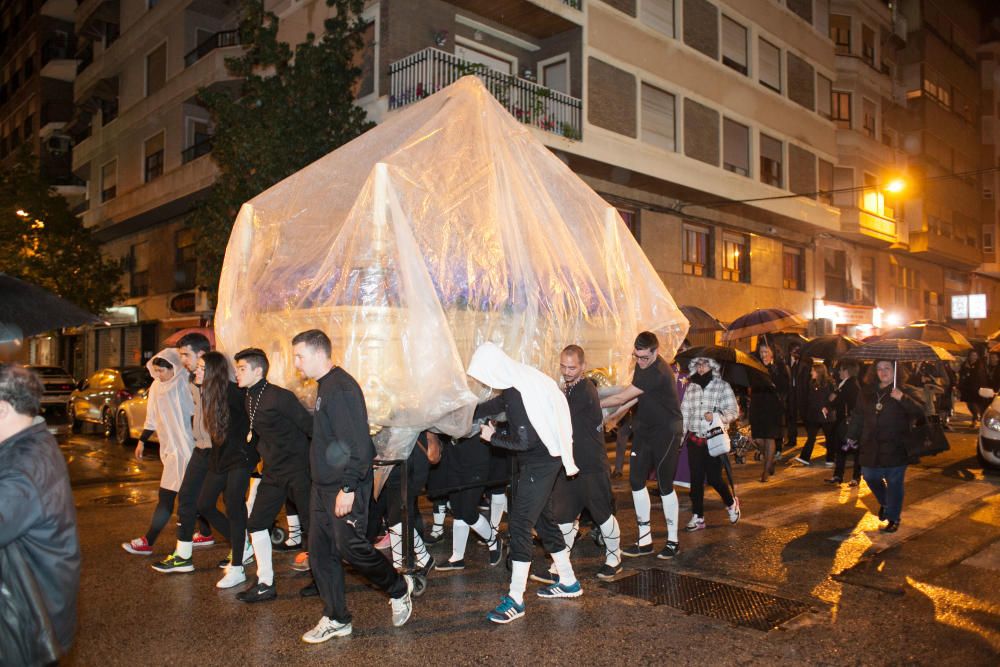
pixel 169 411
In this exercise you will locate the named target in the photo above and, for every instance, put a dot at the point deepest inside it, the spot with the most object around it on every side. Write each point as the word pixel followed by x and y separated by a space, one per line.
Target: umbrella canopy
pixel 701 321
pixel 933 333
pixel 828 347
pixel 737 367
pixel 763 321
pixel 35 310
pixel 896 349
pixel 207 332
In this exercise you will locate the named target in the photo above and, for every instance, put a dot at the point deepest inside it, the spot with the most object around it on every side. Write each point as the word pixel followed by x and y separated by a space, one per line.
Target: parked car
pixel 988 442
pixel 58 386
pixel 130 418
pixel 97 399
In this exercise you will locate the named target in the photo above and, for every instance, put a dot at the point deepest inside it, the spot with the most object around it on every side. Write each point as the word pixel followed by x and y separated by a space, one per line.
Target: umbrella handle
pixel 894 365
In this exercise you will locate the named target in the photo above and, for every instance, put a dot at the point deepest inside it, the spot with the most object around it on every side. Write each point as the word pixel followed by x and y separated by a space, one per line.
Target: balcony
pixel 203 147
pixel 538 18
pixel 54 117
pixel 865 224
pixel 217 41
pixel 428 71
pixel 945 249
pixel 58 62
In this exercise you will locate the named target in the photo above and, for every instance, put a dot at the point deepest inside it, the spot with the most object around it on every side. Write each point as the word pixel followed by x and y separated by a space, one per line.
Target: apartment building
pixel 747 143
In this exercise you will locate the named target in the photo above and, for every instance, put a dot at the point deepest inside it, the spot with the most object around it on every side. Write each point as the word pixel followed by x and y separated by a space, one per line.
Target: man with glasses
pixel 658 430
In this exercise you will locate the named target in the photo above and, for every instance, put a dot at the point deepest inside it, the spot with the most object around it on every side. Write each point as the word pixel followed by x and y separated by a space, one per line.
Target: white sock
pixel 643 506
pixel 518 579
pixel 612 535
pixel 671 510
pixel 484 529
pixel 396 544
pixel 252 496
pixel 564 568
pixel 569 531
pixel 498 505
pixel 420 550
pixel 294 530
pixel 438 515
pixel 459 538
pixel 183 549
pixel 261 541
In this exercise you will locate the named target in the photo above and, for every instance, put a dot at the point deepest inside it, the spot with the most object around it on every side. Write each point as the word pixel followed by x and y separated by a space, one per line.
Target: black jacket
pixel 521 436
pixel 282 427
pixel 38 520
pixel 234 451
pixel 882 434
pixel 817 398
pixel 342 450
pixel 846 398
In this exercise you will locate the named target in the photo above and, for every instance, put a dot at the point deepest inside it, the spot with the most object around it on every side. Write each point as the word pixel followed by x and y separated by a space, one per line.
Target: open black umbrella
pixel 763 321
pixel 34 310
pixel 934 333
pixel 828 348
pixel 701 321
pixel 896 350
pixel 737 367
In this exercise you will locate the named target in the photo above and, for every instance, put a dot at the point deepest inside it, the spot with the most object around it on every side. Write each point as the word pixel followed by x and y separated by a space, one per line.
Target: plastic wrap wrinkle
pixel 446 226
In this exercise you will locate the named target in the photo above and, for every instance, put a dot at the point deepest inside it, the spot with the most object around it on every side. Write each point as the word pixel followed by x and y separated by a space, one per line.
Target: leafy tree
pixel 292 109
pixel 43 242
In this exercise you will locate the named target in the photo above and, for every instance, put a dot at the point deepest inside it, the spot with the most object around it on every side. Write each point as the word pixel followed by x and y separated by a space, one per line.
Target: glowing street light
pixel 895 186
pixel 21 213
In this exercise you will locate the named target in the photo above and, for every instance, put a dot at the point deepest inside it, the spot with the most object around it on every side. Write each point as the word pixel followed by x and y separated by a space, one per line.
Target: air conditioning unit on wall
pixel 819 327
pixel 202 301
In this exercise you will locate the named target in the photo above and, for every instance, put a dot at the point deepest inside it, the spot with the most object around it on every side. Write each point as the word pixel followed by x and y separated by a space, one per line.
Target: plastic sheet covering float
pixel 448 225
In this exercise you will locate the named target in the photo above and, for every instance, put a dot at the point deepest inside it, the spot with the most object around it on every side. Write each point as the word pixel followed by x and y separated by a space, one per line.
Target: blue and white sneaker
pixel 573 590
pixel 506 611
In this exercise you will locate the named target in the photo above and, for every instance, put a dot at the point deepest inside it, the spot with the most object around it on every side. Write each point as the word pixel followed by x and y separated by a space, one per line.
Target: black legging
pixel 530 509
pixel 812 430
pixel 657 453
pixel 161 515
pixel 703 465
pixel 232 484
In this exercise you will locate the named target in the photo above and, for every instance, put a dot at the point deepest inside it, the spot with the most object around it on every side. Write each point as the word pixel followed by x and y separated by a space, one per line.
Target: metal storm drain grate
pixel 122 499
pixel 693 595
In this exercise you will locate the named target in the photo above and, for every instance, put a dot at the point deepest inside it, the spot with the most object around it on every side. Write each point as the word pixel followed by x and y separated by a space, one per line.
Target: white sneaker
pixel 234 577
pixel 696 523
pixel 402 607
pixel 326 629
pixel 734 510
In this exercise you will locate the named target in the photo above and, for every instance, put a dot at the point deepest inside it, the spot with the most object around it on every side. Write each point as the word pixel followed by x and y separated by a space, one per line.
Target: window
pixel 735 257
pixel 109 110
pixel 658 15
pixel 185 260
pixel 868 116
pixel 156 69
pixel 835 275
pixel 868 281
pixel 153 161
pixel 841 109
pixel 769 64
pixel 735 147
pixel 364 58
pixel 139 269
pixel 109 180
pixel 937 87
pixel 554 74
pixel 905 291
pixel 630 217
pixel 988 238
pixel 825 182
pixel 824 91
pixel 840 33
pixel 868 46
pixel 793 268
pixel 500 62
pixel 771 154
pixel 802 8
pixel 658 118
pixel 734 45
pixel 697 251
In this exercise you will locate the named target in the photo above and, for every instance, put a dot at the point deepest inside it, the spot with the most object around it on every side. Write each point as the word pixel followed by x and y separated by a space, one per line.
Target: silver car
pixel 97 398
pixel 130 418
pixel 988 443
pixel 58 386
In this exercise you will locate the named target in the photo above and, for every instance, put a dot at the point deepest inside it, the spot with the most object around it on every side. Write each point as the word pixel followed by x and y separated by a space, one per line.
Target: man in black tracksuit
pixel 280 427
pixel 341 459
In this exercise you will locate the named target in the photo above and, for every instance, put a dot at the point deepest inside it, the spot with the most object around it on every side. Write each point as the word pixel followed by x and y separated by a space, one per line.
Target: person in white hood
pixel 169 411
pixel 541 433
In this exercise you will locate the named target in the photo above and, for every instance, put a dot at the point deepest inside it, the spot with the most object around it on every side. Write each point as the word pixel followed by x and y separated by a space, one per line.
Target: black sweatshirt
pixel 282 427
pixel 234 451
pixel 522 438
pixel 342 451
pixel 588 430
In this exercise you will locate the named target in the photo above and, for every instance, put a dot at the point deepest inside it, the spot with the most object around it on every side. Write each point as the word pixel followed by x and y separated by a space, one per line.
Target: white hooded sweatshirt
pixel 169 410
pixel 543 401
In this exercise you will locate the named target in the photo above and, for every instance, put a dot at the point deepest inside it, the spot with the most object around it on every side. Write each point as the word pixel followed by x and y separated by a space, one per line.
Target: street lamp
pixel 895 186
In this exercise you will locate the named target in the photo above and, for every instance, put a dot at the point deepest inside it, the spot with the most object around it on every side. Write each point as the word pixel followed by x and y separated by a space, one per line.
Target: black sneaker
pixel 890 527
pixel 834 480
pixel 637 550
pixel 450 565
pixel 282 546
pixel 426 569
pixel 881 513
pixel 496 552
pixel 258 593
pixel 309 590
pixel 609 571
pixel 174 563
pixel 544 577
pixel 669 551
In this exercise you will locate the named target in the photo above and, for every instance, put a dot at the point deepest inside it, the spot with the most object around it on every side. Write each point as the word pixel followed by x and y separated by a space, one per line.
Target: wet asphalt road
pixel 928 594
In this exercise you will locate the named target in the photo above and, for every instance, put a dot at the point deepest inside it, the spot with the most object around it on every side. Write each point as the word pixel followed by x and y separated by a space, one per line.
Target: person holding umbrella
pixel 842 400
pixel 817 414
pixel 767 409
pixel 972 376
pixel 708 401
pixel 880 424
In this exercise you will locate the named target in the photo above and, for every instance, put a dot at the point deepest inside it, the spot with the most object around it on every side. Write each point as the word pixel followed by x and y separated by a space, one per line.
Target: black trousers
pixel 812 430
pixel 335 539
pixel 840 465
pixel 198 469
pixel 232 484
pixel 164 508
pixel 589 491
pixel 468 464
pixel 702 466
pixel 658 452
pixel 271 496
pixel 530 509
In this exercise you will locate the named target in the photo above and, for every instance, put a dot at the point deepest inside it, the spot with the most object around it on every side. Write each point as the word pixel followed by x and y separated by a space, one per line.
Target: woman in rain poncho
pixel 169 410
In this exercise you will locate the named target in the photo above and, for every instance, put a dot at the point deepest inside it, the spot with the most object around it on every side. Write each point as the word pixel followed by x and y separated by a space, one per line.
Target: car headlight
pixel 991 420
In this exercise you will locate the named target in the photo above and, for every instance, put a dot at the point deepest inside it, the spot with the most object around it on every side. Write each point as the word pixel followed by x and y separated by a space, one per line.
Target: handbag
pixel 718 439
pixel 926 438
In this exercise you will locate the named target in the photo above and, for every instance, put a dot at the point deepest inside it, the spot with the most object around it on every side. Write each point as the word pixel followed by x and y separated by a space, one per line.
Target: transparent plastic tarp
pixel 447 225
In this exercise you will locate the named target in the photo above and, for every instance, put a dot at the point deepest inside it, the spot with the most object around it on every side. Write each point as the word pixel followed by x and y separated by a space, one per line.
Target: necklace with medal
pixel 253 408
pixel 878 399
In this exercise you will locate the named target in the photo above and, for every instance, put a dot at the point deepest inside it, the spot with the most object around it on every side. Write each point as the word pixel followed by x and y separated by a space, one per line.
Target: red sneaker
pixel 139 546
pixel 200 540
